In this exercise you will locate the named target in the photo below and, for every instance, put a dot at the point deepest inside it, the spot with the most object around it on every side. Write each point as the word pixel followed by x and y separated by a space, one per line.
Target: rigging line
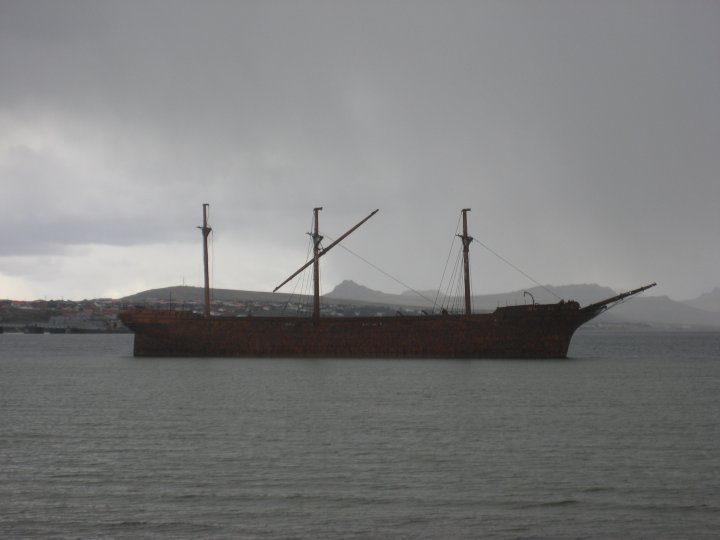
pixel 212 263
pixel 517 269
pixel 297 281
pixel 447 261
pixel 629 298
pixel 290 297
pixel 305 286
pixel 212 255
pixel 457 304
pixel 471 288
pixel 448 293
pixel 301 283
pixel 453 290
pixel 306 281
pixel 457 281
pixel 381 271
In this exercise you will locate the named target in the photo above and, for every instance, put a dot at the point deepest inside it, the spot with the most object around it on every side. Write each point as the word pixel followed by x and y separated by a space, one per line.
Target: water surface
pixel 620 440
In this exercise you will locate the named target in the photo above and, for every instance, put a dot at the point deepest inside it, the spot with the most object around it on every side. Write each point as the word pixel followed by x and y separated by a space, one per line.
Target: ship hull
pixel 534 331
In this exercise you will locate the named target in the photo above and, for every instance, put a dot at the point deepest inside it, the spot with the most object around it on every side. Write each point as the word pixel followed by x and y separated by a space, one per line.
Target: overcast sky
pixel 584 135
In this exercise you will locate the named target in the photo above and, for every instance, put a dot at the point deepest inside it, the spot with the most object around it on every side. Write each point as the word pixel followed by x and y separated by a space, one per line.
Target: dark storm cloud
pixel 583 134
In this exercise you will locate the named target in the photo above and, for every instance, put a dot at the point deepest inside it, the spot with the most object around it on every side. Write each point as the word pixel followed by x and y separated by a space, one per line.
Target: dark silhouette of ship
pixel 521 331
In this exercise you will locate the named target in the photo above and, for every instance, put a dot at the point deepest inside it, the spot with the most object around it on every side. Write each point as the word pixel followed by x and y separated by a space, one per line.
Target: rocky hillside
pixel 709 301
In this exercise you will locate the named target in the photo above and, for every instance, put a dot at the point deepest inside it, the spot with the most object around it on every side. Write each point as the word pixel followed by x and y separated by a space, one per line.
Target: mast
pixel 316 264
pixel 466 240
pixel 205 232
pixel 324 251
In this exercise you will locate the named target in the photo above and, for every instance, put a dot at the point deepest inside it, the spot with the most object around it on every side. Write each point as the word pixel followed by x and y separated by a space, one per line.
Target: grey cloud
pixel 579 132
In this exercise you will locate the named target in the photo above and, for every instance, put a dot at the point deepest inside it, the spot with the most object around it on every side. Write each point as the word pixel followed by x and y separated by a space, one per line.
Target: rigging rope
pixel 211 277
pixel 453 278
pixel 303 282
pixel 447 261
pixel 212 262
pixel 381 270
pixel 457 281
pixel 454 286
pixel 517 269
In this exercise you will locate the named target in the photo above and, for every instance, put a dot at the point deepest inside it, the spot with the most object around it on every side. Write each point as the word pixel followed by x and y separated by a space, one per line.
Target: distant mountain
pixel 585 294
pixel 661 311
pixel 349 290
pixel 709 301
pixel 646 310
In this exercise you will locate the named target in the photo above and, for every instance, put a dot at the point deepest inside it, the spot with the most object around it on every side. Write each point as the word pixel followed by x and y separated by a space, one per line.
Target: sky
pixel 583 135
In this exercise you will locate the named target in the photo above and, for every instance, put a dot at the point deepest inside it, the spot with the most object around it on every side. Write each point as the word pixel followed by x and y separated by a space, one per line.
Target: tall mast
pixel 466 240
pixel 205 232
pixel 316 265
pixel 324 251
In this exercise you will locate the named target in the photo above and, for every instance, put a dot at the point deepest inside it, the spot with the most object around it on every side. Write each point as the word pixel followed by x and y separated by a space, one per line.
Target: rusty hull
pixel 531 331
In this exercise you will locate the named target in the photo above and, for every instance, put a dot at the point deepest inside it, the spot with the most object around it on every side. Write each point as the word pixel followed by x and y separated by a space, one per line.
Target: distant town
pixel 101 315
pixel 60 316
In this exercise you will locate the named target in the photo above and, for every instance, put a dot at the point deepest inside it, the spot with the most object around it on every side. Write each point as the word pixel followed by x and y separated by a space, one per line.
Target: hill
pixel 661 311
pixel 195 294
pixel 349 291
pixel 585 294
pixel 709 301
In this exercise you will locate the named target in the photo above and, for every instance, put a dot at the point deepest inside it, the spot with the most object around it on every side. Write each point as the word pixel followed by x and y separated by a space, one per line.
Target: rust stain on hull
pixel 536 331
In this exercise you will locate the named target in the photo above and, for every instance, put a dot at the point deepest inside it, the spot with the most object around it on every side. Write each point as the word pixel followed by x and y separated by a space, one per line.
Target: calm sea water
pixel 620 441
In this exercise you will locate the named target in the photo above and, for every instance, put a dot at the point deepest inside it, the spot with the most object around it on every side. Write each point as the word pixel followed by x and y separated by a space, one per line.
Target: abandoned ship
pixel 521 331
